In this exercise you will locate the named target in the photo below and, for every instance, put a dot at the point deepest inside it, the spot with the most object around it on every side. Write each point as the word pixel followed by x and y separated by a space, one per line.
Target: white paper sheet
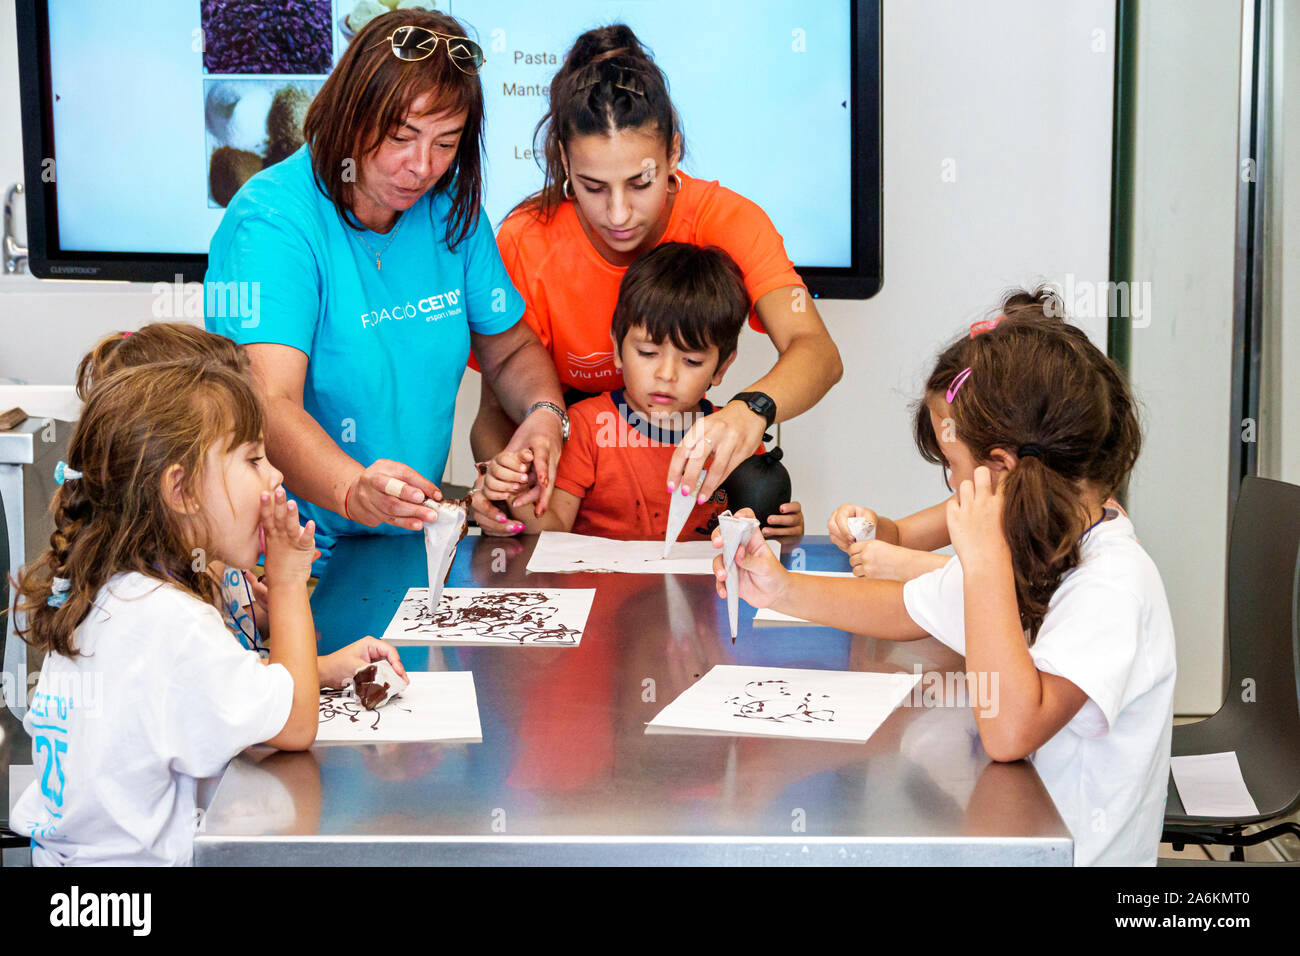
pixel 732 700
pixel 553 617
pixel 766 617
pixel 1211 785
pixel 563 551
pixel 439 705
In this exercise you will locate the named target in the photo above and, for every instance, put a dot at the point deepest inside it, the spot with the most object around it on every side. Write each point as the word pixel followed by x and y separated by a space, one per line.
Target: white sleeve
pixel 1090 637
pixel 934 601
pixel 219 698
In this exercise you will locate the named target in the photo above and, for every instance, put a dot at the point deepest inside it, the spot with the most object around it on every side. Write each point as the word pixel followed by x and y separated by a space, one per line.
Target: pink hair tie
pixel 126 335
pixel 957 383
pixel 984 325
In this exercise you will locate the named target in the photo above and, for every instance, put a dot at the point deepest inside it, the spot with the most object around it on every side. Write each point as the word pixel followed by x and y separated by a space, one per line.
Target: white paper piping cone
pixel 440 540
pixel 735 535
pixel 861 529
pixel 680 507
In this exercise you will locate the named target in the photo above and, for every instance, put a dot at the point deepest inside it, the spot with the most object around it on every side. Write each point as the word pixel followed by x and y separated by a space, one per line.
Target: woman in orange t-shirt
pixel 612 191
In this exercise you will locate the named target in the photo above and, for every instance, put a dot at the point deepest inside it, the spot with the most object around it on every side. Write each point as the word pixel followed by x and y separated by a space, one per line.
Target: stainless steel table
pixel 565 773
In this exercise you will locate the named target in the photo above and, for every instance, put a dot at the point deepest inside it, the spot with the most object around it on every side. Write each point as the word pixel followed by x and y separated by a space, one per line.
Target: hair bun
pixel 605 44
pixel 1043 302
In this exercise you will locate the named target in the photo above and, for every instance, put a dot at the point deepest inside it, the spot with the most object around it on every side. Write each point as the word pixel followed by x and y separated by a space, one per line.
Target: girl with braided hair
pixel 142 691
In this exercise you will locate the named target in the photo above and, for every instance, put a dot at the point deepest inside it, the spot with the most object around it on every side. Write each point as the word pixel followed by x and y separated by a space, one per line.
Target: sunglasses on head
pixel 412 44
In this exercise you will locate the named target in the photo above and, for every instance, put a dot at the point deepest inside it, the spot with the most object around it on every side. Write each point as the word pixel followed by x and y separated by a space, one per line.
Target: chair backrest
pixel 1263 641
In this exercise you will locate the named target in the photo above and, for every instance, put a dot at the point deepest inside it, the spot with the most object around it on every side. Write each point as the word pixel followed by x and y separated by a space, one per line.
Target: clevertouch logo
pixel 103 909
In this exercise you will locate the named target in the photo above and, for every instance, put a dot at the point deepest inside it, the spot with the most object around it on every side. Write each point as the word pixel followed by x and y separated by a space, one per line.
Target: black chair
pixel 1260 717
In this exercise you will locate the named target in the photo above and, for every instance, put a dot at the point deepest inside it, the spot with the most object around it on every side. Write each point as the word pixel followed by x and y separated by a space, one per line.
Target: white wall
pixel 1279 415
pixel 1188 80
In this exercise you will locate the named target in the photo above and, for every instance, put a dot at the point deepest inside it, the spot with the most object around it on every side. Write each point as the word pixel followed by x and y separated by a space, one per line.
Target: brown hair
pixel 1035 379
pixel 137 423
pixel 693 295
pixel 608 82
pixel 368 95
pixel 156 342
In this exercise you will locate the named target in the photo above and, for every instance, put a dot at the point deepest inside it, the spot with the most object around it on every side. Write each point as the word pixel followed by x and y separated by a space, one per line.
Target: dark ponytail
pixel 1037 380
pixel 608 82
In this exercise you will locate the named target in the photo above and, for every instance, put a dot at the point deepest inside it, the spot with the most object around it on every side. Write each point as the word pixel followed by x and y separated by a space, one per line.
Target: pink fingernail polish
pixel 685 490
pixel 501 519
pixel 671 487
pixel 701 500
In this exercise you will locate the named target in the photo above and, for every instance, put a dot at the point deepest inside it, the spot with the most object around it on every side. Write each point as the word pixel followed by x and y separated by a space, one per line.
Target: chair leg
pixel 1233 838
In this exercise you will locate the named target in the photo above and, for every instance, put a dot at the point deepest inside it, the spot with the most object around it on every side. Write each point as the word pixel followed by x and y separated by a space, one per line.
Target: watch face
pixel 760 404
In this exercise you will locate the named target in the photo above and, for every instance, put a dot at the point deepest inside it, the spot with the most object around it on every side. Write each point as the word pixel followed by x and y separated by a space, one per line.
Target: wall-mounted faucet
pixel 15 255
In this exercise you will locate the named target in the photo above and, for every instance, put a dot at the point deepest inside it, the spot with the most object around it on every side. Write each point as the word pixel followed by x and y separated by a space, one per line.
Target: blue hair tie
pixel 63 473
pixel 60 587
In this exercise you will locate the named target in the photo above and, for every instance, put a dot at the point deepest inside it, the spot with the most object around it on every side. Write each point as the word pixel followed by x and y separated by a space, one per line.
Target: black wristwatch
pixel 760 403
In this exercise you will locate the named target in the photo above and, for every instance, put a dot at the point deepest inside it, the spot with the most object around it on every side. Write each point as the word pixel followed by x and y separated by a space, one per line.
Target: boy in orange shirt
pixel 679 314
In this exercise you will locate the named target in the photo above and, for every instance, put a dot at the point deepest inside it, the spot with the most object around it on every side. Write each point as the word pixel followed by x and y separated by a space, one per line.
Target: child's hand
pixel 509 475
pixel 975 518
pixel 342 664
pixel 289 547
pixel 788 524
pixel 838 525
pixel 882 561
pixel 878 560
pixel 760 579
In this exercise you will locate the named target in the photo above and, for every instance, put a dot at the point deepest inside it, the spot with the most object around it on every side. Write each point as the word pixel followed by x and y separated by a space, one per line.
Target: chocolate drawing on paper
pixel 525 617
pixel 775 700
pixel 343 706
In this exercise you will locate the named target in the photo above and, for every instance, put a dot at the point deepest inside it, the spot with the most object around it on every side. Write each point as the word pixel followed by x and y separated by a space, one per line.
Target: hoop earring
pixel 567 191
pixel 671 177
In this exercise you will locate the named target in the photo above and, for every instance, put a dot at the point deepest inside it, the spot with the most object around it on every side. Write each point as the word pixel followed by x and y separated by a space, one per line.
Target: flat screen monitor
pixel 141 119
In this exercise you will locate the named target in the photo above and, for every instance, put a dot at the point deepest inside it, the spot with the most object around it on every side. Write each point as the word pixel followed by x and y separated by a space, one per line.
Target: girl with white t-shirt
pixel 242 595
pixel 1050 597
pixel 142 692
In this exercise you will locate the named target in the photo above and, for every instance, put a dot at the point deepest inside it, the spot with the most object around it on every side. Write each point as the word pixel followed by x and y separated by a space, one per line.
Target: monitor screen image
pixel 143 119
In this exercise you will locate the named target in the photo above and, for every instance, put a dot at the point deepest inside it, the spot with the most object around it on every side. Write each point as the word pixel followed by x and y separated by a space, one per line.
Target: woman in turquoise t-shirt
pixel 360 272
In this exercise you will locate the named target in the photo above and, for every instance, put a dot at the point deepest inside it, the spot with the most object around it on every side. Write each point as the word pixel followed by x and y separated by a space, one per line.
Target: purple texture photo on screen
pixel 250 36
